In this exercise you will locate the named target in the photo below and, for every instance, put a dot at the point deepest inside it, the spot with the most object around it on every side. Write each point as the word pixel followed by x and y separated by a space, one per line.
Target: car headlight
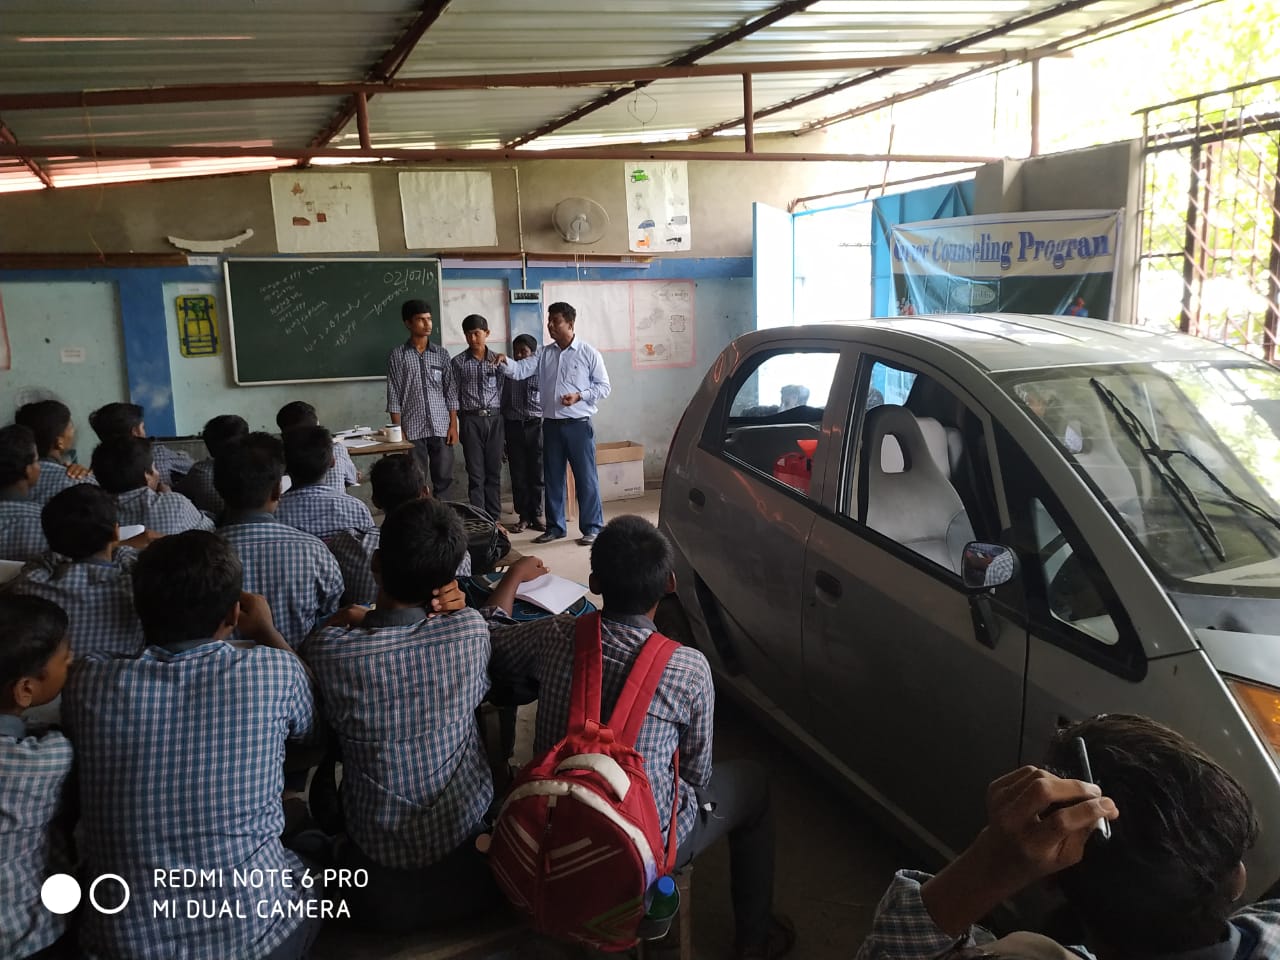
pixel 1261 705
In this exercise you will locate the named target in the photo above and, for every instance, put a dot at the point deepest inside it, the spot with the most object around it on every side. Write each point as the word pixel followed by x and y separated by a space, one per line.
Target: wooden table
pixel 379 448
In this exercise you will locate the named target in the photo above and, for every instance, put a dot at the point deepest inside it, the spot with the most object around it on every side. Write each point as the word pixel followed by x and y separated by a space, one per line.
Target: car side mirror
pixel 984 566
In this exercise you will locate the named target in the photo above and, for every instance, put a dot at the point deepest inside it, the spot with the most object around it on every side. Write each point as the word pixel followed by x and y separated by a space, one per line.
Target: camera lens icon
pixel 61 893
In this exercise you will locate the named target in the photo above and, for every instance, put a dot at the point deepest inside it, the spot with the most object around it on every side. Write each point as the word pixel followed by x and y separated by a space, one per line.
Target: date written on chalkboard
pixel 412 275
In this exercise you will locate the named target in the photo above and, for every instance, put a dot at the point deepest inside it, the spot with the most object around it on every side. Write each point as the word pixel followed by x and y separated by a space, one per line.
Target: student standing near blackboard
pixel 480 416
pixel 422 396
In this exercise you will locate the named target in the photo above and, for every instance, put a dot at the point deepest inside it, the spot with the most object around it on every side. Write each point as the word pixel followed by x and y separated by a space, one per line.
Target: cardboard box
pixel 620 467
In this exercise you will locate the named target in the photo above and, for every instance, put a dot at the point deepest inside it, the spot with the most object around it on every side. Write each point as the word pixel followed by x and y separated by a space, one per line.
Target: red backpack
pixel 577 842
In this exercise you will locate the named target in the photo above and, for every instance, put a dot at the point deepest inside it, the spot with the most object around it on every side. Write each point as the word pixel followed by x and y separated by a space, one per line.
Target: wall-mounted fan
pixel 580 220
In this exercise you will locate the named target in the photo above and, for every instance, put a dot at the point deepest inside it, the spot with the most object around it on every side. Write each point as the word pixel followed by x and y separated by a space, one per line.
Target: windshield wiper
pixel 1227 492
pixel 1183 495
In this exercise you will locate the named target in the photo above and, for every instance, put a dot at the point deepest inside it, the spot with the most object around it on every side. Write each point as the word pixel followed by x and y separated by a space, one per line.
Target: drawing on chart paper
pixel 448 208
pixel 323 212
pixel 658 206
pixel 663 323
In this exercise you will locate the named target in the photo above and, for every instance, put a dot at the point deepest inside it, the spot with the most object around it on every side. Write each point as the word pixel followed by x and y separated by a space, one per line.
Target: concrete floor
pixel 833 862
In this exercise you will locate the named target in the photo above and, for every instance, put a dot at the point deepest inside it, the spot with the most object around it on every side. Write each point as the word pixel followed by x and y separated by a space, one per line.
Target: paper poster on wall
pixel 603 307
pixel 452 208
pixel 324 212
pixel 657 205
pixel 662 323
pixel 460 301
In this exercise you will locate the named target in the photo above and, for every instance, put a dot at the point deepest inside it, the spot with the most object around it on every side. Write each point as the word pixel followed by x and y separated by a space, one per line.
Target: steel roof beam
pixel 8 136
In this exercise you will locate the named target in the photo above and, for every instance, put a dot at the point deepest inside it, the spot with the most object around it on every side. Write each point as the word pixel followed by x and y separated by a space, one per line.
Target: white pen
pixel 1082 754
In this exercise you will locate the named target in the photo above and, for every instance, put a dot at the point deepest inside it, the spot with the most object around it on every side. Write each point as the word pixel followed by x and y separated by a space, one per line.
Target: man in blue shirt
pixel 572 380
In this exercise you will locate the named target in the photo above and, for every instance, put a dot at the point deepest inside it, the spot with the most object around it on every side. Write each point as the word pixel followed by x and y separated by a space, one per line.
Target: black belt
pixel 484 412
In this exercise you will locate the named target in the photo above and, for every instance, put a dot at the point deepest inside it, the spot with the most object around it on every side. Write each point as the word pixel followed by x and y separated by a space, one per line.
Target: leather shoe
pixel 517 527
pixel 548 537
pixel 535 525
pixel 586 540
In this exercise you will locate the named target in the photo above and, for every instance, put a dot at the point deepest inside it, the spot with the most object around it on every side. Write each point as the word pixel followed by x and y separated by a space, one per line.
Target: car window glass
pixel 775 414
pixel 1073 597
pixel 925 474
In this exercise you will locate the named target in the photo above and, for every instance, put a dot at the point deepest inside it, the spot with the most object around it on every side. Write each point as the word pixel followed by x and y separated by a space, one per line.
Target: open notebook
pixel 551 593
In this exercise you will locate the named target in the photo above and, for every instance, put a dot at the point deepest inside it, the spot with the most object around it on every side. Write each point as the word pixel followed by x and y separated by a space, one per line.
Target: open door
pixel 773 251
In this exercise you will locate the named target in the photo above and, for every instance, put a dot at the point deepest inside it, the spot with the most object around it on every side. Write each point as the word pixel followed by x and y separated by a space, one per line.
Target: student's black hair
pixel 565 310
pixel 397 478
pixel 47 420
pixel 296 414
pixel 421 546
pixel 632 562
pixel 80 521
pixel 1160 884
pixel 34 628
pixel 185 585
pixel 17 452
pixel 474 321
pixel 220 433
pixel 411 308
pixel 308 454
pixel 120 464
pixel 116 420
pixel 248 471
pixel 524 340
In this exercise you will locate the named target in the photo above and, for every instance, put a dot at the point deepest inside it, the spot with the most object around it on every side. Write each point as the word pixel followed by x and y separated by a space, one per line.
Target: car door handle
pixel 697 498
pixel 985 628
pixel 827 587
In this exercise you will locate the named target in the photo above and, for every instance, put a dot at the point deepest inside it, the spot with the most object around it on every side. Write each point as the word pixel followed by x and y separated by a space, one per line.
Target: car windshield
pixel 1187 455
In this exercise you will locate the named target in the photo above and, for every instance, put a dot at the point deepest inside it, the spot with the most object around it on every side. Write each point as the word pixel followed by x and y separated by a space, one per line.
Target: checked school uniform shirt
pixel 681 714
pixel 353 550
pixel 21 536
pixel 343 472
pixel 168 462
pixel 293 570
pixel 421 388
pixel 197 486
pixel 401 692
pixel 180 757
pixel 53 480
pixel 97 596
pixel 165 513
pixel 521 399
pixel 34 766
pixel 479 382
pixel 322 511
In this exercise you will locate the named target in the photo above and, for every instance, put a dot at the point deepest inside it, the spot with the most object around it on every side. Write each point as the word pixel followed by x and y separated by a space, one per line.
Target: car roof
pixel 1003 341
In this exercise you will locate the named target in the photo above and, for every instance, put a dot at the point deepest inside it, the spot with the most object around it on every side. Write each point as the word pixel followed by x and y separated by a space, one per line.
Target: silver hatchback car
pixel 922 544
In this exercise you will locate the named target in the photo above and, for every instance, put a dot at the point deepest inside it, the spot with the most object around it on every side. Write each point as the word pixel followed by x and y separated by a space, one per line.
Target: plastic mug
pixel 394 432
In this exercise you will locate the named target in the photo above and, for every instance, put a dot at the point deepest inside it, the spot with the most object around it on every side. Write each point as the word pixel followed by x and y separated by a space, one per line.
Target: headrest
pixel 891 420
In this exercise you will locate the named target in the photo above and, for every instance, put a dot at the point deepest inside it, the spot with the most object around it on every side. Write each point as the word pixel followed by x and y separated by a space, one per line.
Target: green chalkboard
pixel 295 320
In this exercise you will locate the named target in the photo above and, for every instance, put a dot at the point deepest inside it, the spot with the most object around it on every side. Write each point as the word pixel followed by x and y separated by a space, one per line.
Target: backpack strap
pixel 584 696
pixel 642 683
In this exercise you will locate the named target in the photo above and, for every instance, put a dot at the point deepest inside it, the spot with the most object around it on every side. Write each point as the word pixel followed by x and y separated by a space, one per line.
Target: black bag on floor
pixel 485 542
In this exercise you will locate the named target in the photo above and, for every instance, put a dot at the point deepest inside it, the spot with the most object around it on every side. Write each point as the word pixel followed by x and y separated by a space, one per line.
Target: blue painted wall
pixel 929 203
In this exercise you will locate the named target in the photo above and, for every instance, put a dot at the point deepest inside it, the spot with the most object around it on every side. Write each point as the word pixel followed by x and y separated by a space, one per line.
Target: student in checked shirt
pixel 480 416
pixel 343 473
pixel 34 768
pixel 1165 885
pixel 126 420
pixel 21 536
pixel 293 570
pixel 50 423
pixel 124 468
pixel 311 504
pixel 219 435
pixel 522 426
pixel 87 572
pixel 180 760
pixel 395 479
pixel 422 396
pixel 400 688
pixel 631 567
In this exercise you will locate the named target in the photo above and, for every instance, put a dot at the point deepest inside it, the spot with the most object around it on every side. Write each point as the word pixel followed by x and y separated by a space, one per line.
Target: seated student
pixel 86 573
pixel 299 413
pixel 396 478
pixel 311 504
pixel 124 469
pixel 293 570
pixel 50 423
pixel 1165 884
pixel 21 536
pixel 631 567
pixel 36 763
pixel 180 762
pixel 126 420
pixel 219 435
pixel 400 689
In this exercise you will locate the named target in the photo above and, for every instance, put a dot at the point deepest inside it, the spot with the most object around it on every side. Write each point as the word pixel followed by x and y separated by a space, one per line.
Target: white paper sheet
pixel 131 530
pixel 551 593
pixel 450 208
pixel 324 212
pixel 658 205
pixel 604 311
pixel 489 301
pixel 662 314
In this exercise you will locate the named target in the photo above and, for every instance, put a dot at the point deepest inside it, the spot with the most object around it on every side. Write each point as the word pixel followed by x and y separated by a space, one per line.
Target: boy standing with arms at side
pixel 480 416
pixel 522 425
pixel 422 396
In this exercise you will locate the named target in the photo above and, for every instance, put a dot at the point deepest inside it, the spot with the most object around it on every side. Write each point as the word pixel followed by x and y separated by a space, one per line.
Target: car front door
pixel 917 687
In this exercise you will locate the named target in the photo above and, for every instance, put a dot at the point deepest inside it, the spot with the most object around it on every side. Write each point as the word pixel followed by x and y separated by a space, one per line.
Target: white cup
pixel 394 432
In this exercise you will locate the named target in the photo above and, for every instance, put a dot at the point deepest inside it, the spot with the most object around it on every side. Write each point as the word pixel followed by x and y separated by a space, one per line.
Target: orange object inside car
pixel 796 469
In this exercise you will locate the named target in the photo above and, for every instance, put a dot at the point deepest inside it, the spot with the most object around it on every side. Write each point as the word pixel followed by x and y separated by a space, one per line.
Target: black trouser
pixel 524 458
pixel 739 797
pixel 482 449
pixel 436 459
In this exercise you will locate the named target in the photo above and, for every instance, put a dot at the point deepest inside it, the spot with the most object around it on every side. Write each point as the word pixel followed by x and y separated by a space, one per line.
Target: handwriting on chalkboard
pixel 408 276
